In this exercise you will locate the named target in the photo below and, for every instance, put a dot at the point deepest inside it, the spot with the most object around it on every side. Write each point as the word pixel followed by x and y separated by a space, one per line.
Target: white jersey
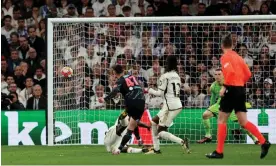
pixel 111 140
pixel 170 83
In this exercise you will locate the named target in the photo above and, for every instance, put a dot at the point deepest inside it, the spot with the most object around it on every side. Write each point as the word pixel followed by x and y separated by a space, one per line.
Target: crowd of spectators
pixel 92 48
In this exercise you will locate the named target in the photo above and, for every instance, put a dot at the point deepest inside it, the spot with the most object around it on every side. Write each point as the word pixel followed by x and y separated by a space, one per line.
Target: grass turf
pixel 235 154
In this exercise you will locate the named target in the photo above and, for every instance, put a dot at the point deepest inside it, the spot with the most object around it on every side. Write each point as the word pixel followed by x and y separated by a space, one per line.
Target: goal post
pixel 50 83
pixel 141 45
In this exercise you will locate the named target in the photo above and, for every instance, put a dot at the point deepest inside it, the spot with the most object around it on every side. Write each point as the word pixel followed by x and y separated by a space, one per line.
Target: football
pixel 67 72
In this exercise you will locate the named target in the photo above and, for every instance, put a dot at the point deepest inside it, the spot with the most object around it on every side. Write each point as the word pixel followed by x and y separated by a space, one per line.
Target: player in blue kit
pixel 134 97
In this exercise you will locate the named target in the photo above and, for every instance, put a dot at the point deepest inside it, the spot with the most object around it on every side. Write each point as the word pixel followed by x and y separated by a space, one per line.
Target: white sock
pixel 156 142
pixel 134 150
pixel 168 136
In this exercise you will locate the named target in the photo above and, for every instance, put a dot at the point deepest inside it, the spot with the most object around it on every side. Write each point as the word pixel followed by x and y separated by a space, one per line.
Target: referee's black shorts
pixel 135 108
pixel 234 99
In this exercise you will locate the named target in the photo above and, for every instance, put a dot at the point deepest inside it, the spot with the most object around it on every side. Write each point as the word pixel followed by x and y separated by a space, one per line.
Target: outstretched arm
pixel 115 90
pixel 112 94
pixel 161 87
pixel 158 92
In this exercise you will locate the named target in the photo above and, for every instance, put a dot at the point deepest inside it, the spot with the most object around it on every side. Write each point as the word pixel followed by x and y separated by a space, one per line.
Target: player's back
pixel 236 65
pixel 111 138
pixel 172 90
pixel 130 88
pixel 235 59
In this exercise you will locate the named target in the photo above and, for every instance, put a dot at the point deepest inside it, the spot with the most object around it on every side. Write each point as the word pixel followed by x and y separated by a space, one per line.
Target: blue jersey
pixel 129 87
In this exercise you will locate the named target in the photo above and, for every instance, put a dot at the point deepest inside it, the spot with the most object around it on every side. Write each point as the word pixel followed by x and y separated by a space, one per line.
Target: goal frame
pixel 175 19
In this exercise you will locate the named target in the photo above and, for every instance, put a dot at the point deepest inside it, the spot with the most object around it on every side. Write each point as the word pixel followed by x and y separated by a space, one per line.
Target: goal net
pixel 90 46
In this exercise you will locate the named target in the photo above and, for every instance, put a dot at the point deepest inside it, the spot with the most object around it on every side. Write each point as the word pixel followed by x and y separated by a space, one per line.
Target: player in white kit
pixel 112 140
pixel 169 88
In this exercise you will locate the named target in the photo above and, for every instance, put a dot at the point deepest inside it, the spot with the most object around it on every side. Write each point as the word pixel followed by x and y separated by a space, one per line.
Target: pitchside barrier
pixel 29 127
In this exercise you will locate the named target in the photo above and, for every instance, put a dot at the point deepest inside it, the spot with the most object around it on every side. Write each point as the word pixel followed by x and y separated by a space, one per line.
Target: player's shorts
pixel 135 108
pixel 215 109
pixel 234 99
pixel 166 117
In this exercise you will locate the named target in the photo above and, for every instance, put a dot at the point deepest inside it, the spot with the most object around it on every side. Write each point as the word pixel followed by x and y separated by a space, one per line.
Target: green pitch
pixel 171 155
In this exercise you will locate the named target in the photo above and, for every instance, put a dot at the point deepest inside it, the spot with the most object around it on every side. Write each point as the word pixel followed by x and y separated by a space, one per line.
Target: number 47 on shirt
pixel 131 81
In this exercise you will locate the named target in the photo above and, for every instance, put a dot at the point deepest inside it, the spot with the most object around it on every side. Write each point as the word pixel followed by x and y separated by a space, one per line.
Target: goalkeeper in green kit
pixel 213 110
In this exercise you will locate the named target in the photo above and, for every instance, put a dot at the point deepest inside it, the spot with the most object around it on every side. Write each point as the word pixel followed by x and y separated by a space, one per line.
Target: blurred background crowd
pixel 141 48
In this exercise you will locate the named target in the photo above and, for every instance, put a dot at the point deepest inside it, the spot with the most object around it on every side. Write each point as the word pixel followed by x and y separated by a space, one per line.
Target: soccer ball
pixel 67 72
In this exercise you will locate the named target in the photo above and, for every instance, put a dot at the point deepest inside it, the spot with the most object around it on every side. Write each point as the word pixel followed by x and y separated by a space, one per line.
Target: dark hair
pixel 7 16
pixel 147 28
pixel 188 34
pixel 218 69
pixel 261 12
pixel 227 42
pixel 150 6
pixel 36 6
pixel 242 45
pixel 265 46
pixel 129 27
pixel 10 75
pixel 28 78
pixel 30 27
pixel 39 68
pixel 155 58
pixel 138 62
pixel 110 47
pixel 201 4
pixel 89 8
pixel 5 3
pixel 118 69
pixel 16 8
pixel 42 20
pixel 121 56
pixel 171 63
pixel 248 8
pixel 21 18
pixel 197 84
pixel 239 45
pixel 137 15
pixel 13 50
pixel 226 10
pixel 14 33
pixel 255 62
pixel 126 9
pixel 14 93
pixel 23 36
pixel 110 5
